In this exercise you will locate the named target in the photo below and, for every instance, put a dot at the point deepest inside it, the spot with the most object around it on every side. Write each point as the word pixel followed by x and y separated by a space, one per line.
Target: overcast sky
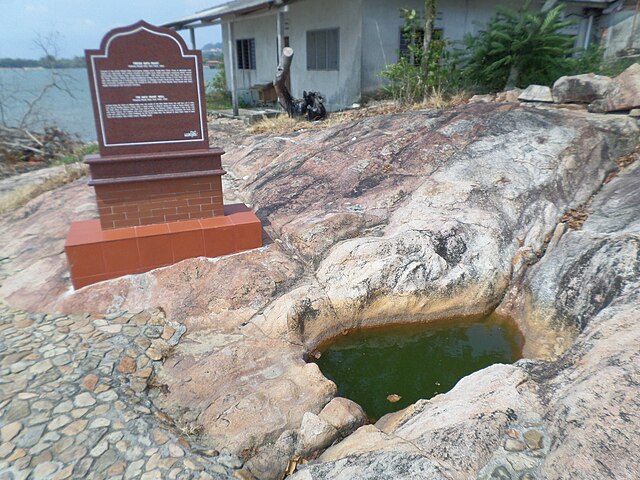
pixel 81 24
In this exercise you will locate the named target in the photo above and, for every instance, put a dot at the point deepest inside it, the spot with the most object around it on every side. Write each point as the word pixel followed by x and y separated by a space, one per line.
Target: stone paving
pixel 75 403
pixel 522 453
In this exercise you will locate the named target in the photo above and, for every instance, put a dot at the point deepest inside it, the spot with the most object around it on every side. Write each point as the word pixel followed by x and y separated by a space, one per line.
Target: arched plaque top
pixel 148 91
pixel 141 25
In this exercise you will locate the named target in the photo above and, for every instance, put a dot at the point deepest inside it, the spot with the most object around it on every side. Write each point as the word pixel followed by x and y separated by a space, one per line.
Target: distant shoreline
pixel 27 68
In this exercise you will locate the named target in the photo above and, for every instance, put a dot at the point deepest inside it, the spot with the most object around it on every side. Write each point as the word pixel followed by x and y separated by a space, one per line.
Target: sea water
pixel 67 106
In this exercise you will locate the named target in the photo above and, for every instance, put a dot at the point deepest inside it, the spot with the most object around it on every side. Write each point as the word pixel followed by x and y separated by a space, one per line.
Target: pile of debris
pixel 311 105
pixel 597 93
pixel 22 150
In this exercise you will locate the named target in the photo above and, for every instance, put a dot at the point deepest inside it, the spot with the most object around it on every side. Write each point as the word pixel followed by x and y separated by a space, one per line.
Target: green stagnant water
pixel 415 361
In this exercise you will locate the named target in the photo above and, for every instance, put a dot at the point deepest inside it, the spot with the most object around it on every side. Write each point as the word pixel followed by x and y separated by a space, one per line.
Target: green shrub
pixel 77 155
pixel 406 83
pixel 218 96
pixel 587 61
pixel 592 60
pixel 409 80
pixel 615 66
pixel 518 48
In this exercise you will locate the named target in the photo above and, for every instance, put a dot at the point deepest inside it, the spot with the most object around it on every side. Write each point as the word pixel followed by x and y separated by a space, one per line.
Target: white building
pixel 341 46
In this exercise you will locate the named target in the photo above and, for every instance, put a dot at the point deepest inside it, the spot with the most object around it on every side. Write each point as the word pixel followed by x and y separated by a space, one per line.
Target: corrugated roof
pixel 239 7
pixel 210 15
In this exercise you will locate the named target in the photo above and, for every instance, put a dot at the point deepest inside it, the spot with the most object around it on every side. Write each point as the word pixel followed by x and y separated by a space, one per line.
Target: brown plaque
pixel 148 92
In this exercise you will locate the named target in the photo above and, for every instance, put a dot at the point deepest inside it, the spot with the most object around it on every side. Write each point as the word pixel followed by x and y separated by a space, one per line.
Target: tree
pixel 218 95
pixel 58 80
pixel 16 141
pixel 423 68
pixel 310 105
pixel 429 20
pixel 518 48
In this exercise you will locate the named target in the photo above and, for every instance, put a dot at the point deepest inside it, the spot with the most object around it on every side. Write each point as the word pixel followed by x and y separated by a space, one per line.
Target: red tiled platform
pixel 95 254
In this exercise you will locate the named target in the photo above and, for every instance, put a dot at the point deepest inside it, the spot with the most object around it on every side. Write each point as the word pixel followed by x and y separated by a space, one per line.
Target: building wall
pixel 263 30
pixel 617 31
pixel 369 40
pixel 340 88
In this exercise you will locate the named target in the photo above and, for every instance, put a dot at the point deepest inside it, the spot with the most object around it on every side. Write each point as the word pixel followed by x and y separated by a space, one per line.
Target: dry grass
pixel 18 190
pixel 439 101
pixel 576 217
pixel 280 124
pixel 191 429
pixel 283 124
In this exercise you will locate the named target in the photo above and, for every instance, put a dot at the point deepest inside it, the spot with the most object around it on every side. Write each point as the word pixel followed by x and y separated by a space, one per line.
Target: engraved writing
pixel 147 110
pixel 136 78
pixel 150 98
pixel 145 65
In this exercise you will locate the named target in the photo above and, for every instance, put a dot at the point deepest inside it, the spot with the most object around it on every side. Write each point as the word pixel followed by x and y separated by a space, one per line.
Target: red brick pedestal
pixel 95 254
pixel 143 189
pixel 156 209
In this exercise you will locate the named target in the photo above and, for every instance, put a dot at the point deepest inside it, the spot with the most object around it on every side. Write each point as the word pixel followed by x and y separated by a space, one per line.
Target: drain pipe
pixel 192 34
pixel 232 67
pixel 632 35
pixel 587 36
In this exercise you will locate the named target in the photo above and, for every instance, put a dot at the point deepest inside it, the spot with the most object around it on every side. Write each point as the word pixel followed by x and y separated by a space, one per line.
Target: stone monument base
pixel 146 189
pixel 95 254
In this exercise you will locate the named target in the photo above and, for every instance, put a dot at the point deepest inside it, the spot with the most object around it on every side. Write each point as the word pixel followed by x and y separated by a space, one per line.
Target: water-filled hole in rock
pixel 375 366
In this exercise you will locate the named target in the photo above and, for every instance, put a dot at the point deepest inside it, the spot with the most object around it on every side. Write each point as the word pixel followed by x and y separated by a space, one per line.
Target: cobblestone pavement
pixel 74 401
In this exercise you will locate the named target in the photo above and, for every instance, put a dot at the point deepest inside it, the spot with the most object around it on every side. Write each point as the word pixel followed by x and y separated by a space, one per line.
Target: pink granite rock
pixel 417 216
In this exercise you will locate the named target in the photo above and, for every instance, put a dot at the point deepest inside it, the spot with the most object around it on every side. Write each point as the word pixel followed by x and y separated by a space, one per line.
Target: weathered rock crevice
pixel 578 298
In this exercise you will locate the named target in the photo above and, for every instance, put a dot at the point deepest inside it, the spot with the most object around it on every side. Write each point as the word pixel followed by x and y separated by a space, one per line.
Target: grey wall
pixel 617 30
pixel 341 88
pixel 263 30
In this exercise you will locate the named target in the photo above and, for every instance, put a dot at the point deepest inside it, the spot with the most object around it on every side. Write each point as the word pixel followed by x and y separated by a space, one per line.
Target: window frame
pixel 403 49
pixel 323 49
pixel 246 53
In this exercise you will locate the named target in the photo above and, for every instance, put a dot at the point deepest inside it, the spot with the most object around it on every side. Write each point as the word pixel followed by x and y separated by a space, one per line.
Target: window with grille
pixel 323 49
pixel 405 39
pixel 246 53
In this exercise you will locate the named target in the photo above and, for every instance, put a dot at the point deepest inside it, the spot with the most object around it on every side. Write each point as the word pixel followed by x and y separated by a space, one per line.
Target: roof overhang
pixel 230 10
pixel 601 4
pixel 239 8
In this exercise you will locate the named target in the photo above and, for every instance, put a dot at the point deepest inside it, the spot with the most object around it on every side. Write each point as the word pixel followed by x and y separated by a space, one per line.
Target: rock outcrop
pixel 598 93
pixel 536 93
pixel 569 418
pixel 17 190
pixel 587 270
pixel 603 94
pixel 33 269
pixel 624 93
pixel 581 88
pixel 413 217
